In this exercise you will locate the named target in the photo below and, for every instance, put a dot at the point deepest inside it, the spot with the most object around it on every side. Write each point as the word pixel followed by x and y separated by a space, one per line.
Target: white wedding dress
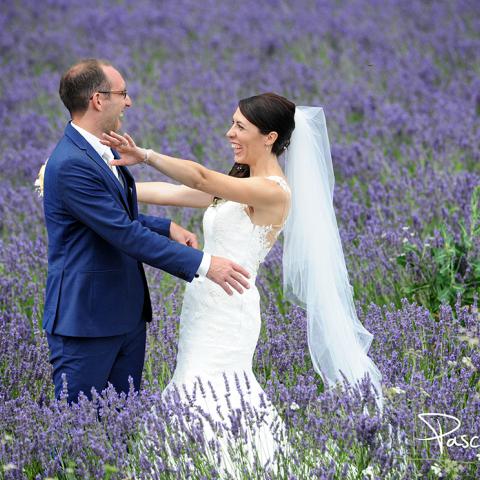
pixel 218 336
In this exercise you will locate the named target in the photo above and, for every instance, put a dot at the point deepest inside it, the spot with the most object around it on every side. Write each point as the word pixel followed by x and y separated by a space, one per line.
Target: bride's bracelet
pixel 146 155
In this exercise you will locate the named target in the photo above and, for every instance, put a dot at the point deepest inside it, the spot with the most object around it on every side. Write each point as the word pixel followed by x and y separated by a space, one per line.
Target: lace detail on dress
pixel 230 232
pixel 268 234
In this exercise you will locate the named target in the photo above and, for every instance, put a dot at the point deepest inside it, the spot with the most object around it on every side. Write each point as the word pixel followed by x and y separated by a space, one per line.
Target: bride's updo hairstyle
pixel 269 112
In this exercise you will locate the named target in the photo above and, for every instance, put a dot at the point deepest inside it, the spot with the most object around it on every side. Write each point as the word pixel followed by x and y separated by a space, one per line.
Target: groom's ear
pixel 96 101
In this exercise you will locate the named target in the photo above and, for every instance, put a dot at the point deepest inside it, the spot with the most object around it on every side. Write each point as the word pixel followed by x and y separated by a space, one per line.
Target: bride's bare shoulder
pixel 280 180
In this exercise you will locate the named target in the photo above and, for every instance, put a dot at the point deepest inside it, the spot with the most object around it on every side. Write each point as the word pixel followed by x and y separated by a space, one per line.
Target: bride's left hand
pixel 183 236
pixel 125 146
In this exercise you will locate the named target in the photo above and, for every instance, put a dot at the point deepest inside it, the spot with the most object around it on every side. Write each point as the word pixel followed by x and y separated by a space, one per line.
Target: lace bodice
pixel 229 232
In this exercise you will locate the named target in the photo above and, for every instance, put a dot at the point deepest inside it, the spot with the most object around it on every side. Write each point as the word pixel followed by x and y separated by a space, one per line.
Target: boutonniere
pixel 39 181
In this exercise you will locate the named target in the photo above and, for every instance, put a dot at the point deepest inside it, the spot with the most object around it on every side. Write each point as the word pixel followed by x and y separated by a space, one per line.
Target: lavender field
pixel 400 85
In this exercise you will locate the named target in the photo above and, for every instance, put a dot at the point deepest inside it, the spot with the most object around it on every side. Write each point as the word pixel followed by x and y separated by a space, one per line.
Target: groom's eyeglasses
pixel 124 93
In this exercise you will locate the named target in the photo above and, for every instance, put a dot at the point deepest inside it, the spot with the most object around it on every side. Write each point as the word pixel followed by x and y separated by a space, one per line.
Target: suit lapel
pixel 127 184
pixel 131 190
pixel 81 143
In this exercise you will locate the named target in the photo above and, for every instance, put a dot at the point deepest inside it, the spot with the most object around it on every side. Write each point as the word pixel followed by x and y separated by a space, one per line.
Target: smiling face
pixel 247 142
pixel 113 104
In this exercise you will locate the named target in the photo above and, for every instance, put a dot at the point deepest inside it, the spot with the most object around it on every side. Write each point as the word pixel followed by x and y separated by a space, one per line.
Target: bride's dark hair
pixel 269 112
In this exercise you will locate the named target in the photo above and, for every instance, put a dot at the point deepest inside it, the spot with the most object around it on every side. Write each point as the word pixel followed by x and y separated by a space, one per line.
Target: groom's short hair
pixel 81 81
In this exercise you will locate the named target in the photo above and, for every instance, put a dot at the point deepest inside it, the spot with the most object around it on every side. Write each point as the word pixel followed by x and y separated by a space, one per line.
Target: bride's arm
pixel 163 193
pixel 254 191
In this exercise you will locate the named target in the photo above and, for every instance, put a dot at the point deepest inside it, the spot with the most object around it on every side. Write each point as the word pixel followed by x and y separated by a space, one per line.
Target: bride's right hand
pixel 130 153
pixel 228 274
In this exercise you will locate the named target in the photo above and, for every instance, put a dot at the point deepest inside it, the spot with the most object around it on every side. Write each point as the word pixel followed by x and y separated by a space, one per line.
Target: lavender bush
pixel 400 85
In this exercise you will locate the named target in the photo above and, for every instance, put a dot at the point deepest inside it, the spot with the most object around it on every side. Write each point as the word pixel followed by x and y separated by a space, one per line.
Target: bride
pixel 245 212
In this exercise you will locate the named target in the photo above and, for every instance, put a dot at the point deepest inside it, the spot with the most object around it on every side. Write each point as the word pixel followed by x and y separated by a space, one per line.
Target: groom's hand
pixel 228 274
pixel 183 236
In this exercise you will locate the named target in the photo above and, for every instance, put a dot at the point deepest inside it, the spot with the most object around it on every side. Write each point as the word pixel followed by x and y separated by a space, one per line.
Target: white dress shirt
pixel 106 154
pixel 204 266
pixel 104 151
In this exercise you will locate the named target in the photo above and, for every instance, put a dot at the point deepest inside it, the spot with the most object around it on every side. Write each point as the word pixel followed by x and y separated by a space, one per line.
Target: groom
pixel 97 300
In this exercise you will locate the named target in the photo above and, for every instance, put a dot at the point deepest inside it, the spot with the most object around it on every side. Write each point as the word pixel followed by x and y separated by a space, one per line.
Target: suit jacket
pixel 97 242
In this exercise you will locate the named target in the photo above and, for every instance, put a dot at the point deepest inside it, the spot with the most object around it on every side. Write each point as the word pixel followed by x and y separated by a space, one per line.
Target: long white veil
pixel 314 269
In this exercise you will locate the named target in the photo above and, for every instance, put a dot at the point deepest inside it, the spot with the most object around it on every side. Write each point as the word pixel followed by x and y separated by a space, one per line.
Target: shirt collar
pixel 93 141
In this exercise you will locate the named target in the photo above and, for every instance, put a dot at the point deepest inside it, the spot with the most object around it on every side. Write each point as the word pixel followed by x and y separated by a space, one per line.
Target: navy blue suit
pixel 96 288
